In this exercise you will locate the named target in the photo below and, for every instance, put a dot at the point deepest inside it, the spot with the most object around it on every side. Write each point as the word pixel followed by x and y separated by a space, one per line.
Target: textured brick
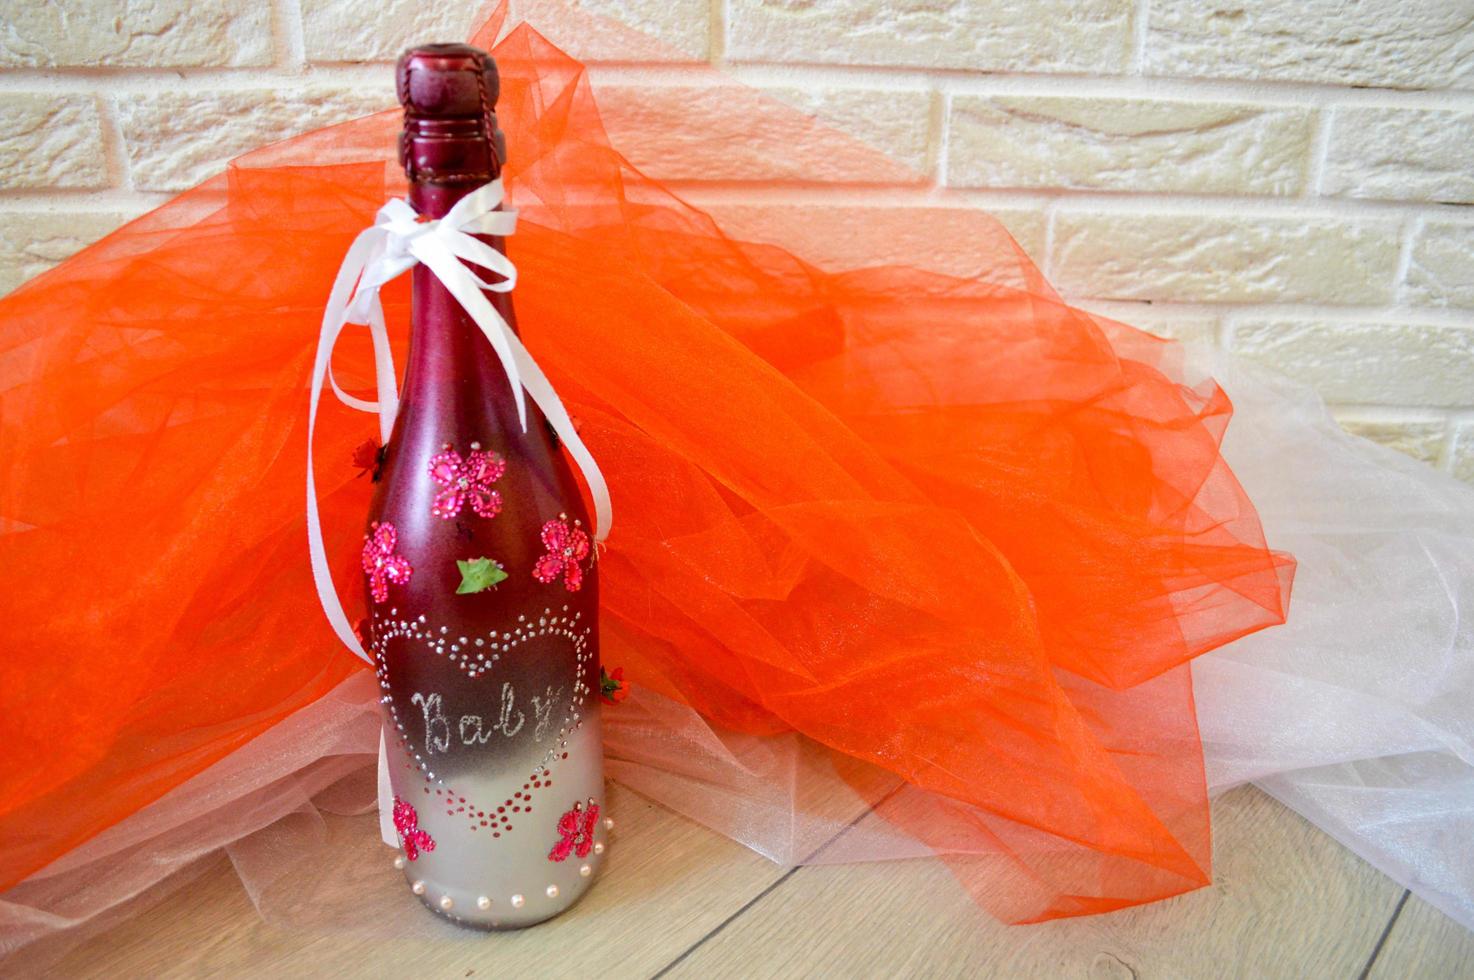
pixel 1190 257
pixel 895 121
pixel 1422 440
pixel 1128 144
pixel 1401 154
pixel 50 141
pixel 135 33
pixel 175 141
pixel 1441 272
pixel 1408 44
pixel 698 133
pixel 352 30
pixel 1171 143
pixel 1044 35
pixel 1368 363
pixel 853 237
pixel 1164 321
pixel 31 243
pixel 624 30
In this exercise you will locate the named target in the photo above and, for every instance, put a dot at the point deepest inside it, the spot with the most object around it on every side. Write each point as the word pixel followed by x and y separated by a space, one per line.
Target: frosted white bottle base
pixel 513 911
pixel 507 850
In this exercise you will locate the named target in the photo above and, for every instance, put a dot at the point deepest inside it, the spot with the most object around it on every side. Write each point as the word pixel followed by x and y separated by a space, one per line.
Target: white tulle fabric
pixel 1355 714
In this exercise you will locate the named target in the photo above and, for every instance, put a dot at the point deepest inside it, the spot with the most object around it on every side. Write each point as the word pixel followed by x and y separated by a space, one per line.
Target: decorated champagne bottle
pixel 479 564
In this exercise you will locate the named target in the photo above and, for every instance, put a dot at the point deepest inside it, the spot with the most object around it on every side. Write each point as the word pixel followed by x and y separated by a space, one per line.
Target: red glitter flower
pixel 612 687
pixel 381 563
pixel 407 822
pixel 567 545
pixel 466 479
pixel 576 832
pixel 366 456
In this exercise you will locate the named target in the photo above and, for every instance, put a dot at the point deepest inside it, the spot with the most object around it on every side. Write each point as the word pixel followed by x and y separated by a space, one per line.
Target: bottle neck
pixel 434 200
pixel 447 350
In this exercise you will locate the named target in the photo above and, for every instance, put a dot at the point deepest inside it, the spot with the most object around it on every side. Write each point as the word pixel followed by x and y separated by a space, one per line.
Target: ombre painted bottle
pixel 483 591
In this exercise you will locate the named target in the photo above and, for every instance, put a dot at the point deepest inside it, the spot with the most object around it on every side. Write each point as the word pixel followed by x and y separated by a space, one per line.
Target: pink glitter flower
pixel 381 563
pixel 576 832
pixel 466 479
pixel 407 822
pixel 567 546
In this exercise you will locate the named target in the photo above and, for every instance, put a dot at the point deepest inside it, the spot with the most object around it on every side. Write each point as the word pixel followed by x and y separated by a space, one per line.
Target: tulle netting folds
pixel 886 540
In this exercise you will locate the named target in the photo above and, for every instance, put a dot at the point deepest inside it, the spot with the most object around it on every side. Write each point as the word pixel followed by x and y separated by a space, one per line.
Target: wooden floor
pixel 678 901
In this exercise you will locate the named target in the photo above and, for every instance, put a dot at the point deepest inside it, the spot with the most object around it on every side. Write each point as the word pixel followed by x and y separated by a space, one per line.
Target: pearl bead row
pixel 483 902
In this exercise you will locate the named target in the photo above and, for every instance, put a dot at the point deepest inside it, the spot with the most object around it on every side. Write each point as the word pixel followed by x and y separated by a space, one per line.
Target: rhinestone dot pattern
pixel 487 651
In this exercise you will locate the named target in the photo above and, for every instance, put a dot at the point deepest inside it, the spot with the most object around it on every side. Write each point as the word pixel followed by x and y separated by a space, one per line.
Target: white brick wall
pixel 1293 178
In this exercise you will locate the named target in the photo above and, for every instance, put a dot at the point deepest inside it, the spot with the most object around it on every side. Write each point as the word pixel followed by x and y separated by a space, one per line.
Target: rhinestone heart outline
pixel 387 628
pixel 498 642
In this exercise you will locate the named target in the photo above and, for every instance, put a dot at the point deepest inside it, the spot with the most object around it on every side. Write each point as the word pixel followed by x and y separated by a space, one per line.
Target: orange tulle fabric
pixel 955 531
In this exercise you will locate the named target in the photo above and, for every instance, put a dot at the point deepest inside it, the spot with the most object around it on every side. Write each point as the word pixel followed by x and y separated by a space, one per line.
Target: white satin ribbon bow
pixel 397 242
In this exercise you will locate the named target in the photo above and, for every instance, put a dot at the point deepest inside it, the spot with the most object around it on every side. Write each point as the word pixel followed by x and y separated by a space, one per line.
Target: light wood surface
pixel 1423 942
pixel 679 901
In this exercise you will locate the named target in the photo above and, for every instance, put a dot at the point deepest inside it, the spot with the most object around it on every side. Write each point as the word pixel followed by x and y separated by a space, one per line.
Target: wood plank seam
pixel 1382 939
pixel 768 890
pixel 730 919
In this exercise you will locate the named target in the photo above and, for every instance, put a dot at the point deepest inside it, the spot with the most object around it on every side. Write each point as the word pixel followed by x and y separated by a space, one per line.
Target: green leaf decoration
pixel 478 575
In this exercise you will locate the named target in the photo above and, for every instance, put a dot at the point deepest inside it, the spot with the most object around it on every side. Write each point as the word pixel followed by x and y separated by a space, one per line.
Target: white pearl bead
pixel 418 888
pixel 483 903
pixel 608 823
pixel 518 901
pixel 446 902
pixel 399 862
pixel 585 871
pixel 599 848
pixel 552 891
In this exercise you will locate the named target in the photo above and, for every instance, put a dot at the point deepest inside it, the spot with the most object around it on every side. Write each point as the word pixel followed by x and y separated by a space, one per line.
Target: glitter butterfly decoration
pixel 575 832
pixel 567 545
pixel 466 481
pixel 407 822
pixel 381 563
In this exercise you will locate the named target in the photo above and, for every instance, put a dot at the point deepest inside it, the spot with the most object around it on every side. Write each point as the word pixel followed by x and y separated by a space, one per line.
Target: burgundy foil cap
pixel 449 94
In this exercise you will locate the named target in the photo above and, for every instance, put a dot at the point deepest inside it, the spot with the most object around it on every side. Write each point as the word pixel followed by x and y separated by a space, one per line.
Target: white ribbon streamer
pixel 397 242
